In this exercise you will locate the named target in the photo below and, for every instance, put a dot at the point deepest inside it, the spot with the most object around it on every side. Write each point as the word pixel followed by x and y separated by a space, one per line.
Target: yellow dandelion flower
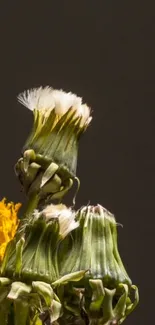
pixel 8 223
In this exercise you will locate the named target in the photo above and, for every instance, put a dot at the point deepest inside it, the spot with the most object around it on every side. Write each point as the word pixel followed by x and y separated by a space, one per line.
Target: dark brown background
pixel 105 52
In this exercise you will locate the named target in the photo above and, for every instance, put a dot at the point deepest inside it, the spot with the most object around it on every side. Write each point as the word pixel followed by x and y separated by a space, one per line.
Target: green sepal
pixel 29 155
pixel 74 277
pixel 4 281
pixel 45 290
pixel 52 186
pixel 98 294
pixel 63 191
pixel 19 289
pixel 32 173
pixel 133 305
pixel 108 305
pixel 120 308
pixel 48 174
pixel 55 310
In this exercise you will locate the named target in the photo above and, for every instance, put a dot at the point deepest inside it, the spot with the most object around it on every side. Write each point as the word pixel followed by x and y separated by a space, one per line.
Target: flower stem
pixel 31 205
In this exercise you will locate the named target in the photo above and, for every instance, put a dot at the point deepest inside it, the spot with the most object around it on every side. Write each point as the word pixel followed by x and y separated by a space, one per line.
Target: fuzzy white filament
pixel 65 216
pixel 48 98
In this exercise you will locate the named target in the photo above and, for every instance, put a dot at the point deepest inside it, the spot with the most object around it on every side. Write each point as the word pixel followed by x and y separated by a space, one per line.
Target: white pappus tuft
pixel 47 98
pixel 65 216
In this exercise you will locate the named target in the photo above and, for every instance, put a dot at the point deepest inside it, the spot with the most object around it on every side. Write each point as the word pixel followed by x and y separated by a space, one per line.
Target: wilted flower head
pixel 8 223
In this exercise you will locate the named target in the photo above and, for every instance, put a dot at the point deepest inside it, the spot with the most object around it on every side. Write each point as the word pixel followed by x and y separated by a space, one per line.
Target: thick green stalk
pixel 21 312
pixel 32 204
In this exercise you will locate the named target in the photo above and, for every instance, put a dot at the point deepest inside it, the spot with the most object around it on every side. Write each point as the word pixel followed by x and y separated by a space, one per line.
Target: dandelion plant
pixel 59 265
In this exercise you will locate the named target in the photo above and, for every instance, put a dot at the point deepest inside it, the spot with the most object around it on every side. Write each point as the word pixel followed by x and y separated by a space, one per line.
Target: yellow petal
pixel 8 223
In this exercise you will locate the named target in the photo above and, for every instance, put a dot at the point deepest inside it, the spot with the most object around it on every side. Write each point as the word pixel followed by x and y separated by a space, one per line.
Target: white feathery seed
pixel 65 216
pixel 47 99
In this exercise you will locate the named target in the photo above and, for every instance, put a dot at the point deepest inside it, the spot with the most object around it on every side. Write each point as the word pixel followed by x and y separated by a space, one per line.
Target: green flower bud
pixel 30 266
pixel 49 161
pixel 94 244
pixel 32 255
pixel 103 295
